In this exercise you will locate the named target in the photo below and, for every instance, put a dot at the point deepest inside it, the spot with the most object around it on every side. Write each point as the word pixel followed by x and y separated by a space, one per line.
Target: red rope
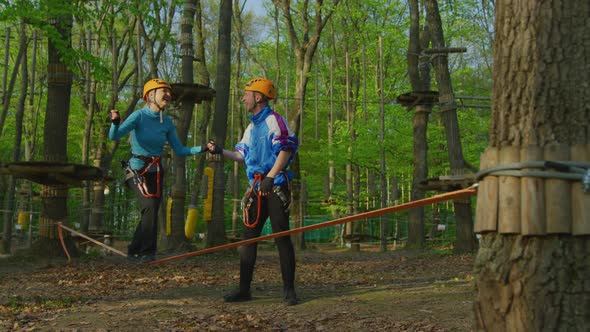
pixel 61 239
pixel 253 191
pixel 431 200
pixel 63 245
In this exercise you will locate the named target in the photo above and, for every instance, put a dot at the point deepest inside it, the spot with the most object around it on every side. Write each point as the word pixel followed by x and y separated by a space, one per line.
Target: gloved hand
pixel 115 117
pixel 213 148
pixel 266 185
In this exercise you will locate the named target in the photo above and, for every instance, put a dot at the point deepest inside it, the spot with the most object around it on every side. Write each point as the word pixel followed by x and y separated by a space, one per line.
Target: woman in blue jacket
pixel 150 129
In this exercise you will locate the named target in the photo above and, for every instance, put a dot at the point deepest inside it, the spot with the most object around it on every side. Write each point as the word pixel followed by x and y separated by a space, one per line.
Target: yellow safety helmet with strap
pixel 261 85
pixel 152 84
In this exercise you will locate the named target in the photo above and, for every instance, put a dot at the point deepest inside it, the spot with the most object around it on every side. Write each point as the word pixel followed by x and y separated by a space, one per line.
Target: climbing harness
pixel 138 175
pixel 254 192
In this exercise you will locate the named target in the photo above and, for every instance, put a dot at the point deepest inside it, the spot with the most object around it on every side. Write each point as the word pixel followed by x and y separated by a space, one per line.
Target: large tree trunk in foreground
pixel 536 278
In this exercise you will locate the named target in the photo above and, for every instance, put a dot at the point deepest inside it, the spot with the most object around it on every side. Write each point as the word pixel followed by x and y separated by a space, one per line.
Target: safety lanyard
pixel 253 191
pixel 141 184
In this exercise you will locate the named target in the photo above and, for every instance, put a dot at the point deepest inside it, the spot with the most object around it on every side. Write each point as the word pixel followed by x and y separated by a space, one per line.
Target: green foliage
pixel 356 35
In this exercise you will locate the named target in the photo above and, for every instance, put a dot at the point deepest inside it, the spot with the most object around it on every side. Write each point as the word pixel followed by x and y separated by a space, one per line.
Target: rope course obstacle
pixel 434 199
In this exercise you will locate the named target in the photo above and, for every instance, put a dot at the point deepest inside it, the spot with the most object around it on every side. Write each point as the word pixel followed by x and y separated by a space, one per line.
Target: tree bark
pixel 8 90
pixel 177 239
pixel 216 228
pixel 59 87
pixel 465 240
pixel 419 72
pixel 203 78
pixel 537 282
pixel 16 152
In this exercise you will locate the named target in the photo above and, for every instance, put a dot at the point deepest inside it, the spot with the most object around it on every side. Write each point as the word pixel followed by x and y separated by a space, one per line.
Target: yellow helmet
pixel 155 83
pixel 261 85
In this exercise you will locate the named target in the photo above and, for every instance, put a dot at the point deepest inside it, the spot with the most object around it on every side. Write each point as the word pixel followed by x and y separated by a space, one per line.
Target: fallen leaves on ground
pixel 338 290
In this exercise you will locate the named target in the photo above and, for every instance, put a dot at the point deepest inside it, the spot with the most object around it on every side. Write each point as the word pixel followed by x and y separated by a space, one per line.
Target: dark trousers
pixel 145 239
pixel 273 207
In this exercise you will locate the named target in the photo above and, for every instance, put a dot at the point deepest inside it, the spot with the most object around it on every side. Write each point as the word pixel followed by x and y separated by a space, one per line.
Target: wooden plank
pixel 580 200
pixel 486 212
pixel 558 194
pixel 40 168
pixel 533 221
pixel 509 194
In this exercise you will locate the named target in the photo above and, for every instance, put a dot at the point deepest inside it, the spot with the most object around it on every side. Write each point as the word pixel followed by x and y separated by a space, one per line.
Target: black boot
pixel 290 296
pixel 237 296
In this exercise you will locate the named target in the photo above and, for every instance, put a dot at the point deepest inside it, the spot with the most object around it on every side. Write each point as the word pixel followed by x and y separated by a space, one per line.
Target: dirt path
pixel 338 291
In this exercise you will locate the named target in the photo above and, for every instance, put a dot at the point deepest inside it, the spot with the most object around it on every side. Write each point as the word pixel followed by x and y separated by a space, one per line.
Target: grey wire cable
pixel 564 170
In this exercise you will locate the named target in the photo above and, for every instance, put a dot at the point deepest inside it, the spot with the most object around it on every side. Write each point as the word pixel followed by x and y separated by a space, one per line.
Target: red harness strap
pixel 253 191
pixel 142 185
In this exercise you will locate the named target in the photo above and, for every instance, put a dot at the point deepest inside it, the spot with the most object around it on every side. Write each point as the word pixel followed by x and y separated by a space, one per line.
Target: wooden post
pixel 509 194
pixel 532 196
pixel 580 200
pixel 486 213
pixel 558 194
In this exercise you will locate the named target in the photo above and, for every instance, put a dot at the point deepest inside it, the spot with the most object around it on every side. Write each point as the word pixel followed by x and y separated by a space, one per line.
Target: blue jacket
pixel 266 136
pixel 148 136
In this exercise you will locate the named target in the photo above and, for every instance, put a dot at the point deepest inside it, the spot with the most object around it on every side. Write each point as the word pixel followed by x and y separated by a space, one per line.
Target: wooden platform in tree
pixel 447 182
pixel 52 173
pixel 411 99
pixel 196 92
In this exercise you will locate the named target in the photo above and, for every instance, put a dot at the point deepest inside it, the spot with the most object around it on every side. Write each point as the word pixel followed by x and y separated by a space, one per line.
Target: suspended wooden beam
pixel 445 50
pixel 52 173
pixel 196 92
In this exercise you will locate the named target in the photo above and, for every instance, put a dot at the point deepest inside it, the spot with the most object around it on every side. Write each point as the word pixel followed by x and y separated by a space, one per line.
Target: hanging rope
pixel 63 245
pixel 434 199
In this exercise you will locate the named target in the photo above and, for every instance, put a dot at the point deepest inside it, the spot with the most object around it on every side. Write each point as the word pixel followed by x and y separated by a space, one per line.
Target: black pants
pixel 145 239
pixel 272 206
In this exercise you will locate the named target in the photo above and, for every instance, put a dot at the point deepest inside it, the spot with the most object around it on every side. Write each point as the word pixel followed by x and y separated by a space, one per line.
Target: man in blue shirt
pixel 150 130
pixel 267 148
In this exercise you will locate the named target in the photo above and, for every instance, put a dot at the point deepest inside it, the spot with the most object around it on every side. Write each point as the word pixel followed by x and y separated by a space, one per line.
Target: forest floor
pixel 338 290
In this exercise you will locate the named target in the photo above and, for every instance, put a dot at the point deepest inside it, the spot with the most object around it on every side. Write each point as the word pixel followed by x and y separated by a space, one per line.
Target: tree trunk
pixel 304 49
pixel 216 228
pixel 7 92
pixel 177 239
pixel 90 103
pixel 465 240
pixel 537 282
pixel 416 227
pixel 419 72
pixel 16 152
pixel 237 126
pixel 203 78
pixel 59 86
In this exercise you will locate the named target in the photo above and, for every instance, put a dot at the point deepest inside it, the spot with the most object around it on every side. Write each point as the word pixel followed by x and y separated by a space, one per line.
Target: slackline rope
pixel 434 199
